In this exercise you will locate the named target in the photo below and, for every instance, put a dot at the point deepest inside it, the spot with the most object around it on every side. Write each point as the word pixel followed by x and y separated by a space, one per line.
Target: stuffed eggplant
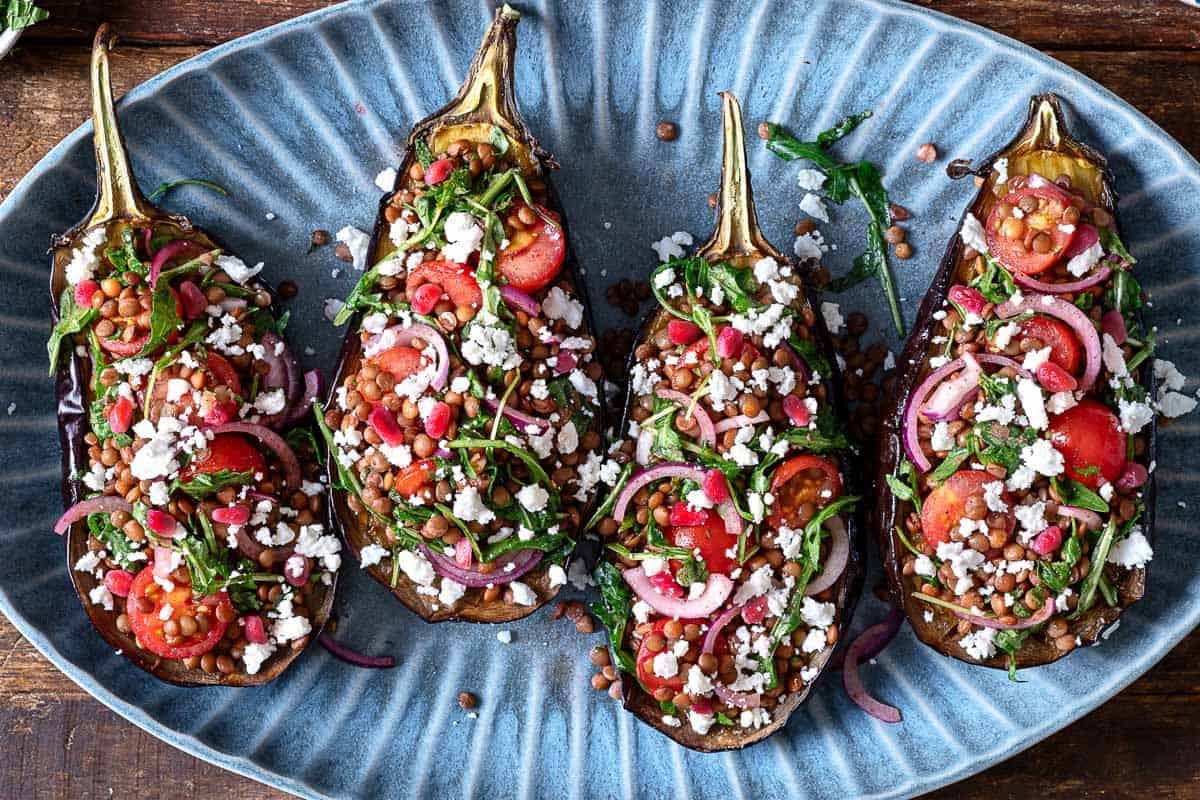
pixel 732 558
pixel 465 416
pixel 196 534
pixel 1016 490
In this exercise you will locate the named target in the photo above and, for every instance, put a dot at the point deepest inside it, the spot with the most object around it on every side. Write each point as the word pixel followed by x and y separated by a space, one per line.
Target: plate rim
pixel 941 23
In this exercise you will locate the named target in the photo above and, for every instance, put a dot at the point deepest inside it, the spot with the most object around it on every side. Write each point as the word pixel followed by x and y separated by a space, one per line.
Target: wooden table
pixel 56 741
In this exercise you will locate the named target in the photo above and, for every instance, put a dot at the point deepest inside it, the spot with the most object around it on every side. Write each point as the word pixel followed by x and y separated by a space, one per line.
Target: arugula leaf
pixel 207 483
pixel 164 319
pixel 20 14
pixel 1124 293
pixel 808 352
pixel 995 283
pixel 360 296
pixel 125 258
pixel 424 155
pixel 72 319
pixel 614 610
pixel 954 459
pixel 100 425
pixel 118 545
pixel 1112 243
pixel 1087 594
pixel 1009 642
pixel 1074 493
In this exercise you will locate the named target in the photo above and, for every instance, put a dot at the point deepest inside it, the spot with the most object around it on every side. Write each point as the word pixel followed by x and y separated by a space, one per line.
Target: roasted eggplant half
pixel 196 528
pixel 465 416
pixel 1016 491
pixel 732 556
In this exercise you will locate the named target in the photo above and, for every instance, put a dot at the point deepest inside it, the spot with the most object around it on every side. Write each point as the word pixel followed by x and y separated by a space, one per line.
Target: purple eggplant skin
pixel 120 202
pixel 491 75
pixel 941 633
pixel 735 180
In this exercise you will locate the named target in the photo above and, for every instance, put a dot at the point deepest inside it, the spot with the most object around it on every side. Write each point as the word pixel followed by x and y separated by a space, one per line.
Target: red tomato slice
pixel 711 539
pixel 534 255
pixel 148 627
pixel 946 505
pixel 801 480
pixel 413 478
pixel 1058 336
pixel 230 451
pixel 1090 438
pixel 223 372
pixel 400 360
pixel 456 280
pixel 1017 253
pixel 645 665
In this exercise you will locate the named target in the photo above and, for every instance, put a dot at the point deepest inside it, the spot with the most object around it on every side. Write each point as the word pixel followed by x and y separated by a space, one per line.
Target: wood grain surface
pixel 57 742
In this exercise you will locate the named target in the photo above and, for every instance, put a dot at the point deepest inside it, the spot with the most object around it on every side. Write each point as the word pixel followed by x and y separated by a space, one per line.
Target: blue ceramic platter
pixel 296 121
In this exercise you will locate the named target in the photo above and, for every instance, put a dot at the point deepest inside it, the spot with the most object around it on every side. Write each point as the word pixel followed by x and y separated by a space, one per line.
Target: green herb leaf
pixel 72 319
pixel 20 14
pixel 169 186
pixel 1112 243
pixel 614 610
pixel 207 483
pixel 996 283
pixel 1087 594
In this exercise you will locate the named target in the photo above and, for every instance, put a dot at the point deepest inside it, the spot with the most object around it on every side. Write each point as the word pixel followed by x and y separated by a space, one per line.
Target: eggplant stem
pixel 737 238
pixel 118 195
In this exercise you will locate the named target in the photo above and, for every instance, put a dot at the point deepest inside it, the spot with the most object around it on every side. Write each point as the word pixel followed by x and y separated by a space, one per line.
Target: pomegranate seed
pixel 565 363
pixel 120 415
pixel 439 420
pixel 438 171
pixel 729 342
pixel 384 423
pixel 666 584
pixel 463 555
pixel 970 299
pixel 755 611
pixel 84 292
pixel 231 515
pixel 796 411
pixel 254 629
pixel 1047 541
pixel 702 705
pixel 194 301
pixel 682 332
pixel 683 514
pixel 426 297
pixel 219 414
pixel 1054 378
pixel 715 486
pixel 118 582
pixel 1132 476
pixel 161 522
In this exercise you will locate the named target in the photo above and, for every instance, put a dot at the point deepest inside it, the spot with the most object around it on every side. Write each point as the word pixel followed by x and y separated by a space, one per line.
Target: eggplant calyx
pixel 737 238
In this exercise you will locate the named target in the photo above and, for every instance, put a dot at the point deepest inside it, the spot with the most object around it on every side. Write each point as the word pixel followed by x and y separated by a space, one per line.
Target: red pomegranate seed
pixel 666 584
pixel 120 415
pixel 796 411
pixel 716 488
pixel 438 171
pixel 463 554
pixel 729 342
pixel 969 298
pixel 439 420
pixel 231 515
pixel 1048 541
pixel 755 611
pixel 161 522
pixel 426 297
pixel 254 629
pixel 682 332
pixel 565 363
pixel 118 582
pixel 1054 378
pixel 1132 476
pixel 84 292
pixel 219 414
pixel 384 423
pixel 683 514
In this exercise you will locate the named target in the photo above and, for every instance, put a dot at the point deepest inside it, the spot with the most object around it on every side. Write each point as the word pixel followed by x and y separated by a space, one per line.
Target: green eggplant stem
pixel 117 196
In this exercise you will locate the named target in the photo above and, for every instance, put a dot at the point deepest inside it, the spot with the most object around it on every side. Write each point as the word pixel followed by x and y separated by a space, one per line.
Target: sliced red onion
pixel 645 442
pixel 523 421
pixel 1028 282
pixel 670 469
pixel 730 697
pixel 1085 236
pixel 1113 323
pixel 233 303
pixel 402 335
pixel 1070 314
pixel 1090 519
pixel 835 562
pixel 464 556
pixel 194 301
pixel 874 638
pixel 798 363
pixel 272 440
pixel 85 508
pixel 171 250
pixel 1044 613
pixel 737 699
pixel 522 562
pixel 313 388
pixel 296 569
pixel 247 545
pixel 514 297
pixel 283 373
pixel 718 625
pixel 350 657
pixel 953 394
pixel 716 589
pixel 912 441
pixel 730 516
pixel 741 421
pixel 684 401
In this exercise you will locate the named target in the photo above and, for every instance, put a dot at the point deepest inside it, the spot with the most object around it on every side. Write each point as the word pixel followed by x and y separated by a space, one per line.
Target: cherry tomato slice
pixel 1017 253
pixel 223 372
pixel 711 539
pixel 534 254
pixel 413 478
pixel 148 626
pixel 1090 438
pixel 645 664
pixel 401 361
pixel 1058 336
pixel 226 451
pixel 456 280
pixel 802 481
pixel 946 505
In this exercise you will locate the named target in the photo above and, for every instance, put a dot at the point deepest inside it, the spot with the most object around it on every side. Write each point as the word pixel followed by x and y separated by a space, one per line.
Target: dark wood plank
pixel 1074 24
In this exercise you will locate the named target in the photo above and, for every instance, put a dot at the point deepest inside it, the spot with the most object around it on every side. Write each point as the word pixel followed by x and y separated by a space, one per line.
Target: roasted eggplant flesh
pixel 195 522
pixel 732 556
pixel 1016 493
pixel 465 416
